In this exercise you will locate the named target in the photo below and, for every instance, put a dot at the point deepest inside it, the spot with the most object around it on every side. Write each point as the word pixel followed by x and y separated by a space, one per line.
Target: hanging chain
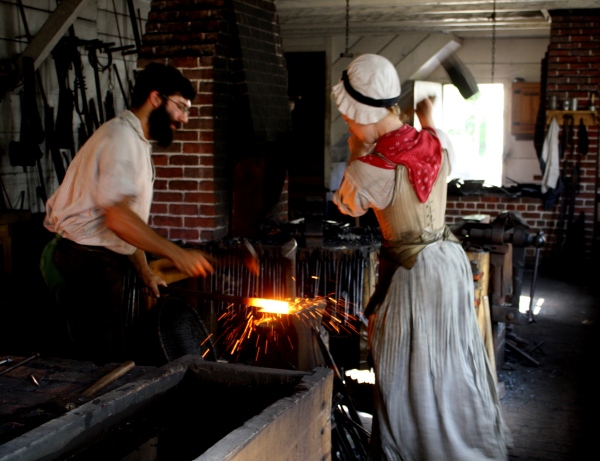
pixel 493 41
pixel 347 54
pixel 347 24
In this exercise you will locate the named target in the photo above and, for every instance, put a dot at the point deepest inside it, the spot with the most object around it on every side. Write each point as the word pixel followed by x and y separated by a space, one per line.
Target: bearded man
pixel 99 214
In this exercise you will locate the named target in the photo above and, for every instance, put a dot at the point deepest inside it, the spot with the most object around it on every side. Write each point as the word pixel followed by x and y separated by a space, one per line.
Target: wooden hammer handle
pixel 166 270
pixel 109 378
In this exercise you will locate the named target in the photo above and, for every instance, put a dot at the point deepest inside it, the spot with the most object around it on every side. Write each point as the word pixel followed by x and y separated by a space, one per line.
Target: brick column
pixel 231 52
pixel 574 72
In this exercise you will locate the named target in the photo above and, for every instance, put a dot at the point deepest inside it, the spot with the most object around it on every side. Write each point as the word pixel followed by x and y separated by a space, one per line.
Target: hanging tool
pixel 583 142
pixel 80 100
pixel 26 152
pixel 62 55
pixel 124 52
pixel 93 114
pixel 125 98
pixel 134 26
pixel 98 69
pixel 109 102
pixel 566 134
pixel 48 111
pixel 4 198
pixel 568 197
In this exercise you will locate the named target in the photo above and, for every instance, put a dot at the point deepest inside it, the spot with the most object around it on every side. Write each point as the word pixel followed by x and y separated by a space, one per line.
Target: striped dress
pixel 435 393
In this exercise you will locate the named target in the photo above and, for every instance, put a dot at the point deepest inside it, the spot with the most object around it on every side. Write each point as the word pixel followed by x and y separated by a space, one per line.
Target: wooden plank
pixel 51 32
pixel 482 280
pixel 489 339
pixel 294 428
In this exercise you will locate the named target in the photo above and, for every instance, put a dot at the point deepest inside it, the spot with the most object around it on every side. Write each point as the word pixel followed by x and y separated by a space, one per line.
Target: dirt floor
pixel 552 408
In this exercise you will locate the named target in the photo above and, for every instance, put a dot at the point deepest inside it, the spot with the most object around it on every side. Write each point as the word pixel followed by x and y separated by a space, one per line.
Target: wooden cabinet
pixel 525 106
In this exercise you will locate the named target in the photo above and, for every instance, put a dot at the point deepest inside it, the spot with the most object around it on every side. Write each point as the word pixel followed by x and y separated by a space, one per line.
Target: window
pixel 476 128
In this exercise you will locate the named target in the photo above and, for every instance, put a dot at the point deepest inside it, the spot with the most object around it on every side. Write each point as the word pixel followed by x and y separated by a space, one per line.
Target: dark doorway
pixel 306 90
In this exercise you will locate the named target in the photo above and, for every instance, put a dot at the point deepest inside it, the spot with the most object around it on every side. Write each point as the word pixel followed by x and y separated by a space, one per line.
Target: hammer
pixel 165 269
pixel 74 399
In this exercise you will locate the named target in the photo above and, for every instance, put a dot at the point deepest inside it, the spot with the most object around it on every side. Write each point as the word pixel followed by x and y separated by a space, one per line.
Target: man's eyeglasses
pixel 182 107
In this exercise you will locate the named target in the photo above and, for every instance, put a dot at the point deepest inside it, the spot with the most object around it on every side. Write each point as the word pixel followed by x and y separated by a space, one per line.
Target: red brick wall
pixel 530 209
pixel 573 71
pixel 212 44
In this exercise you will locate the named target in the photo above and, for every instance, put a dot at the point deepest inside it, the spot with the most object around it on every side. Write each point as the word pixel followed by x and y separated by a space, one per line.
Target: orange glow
pixel 270 305
pixel 263 326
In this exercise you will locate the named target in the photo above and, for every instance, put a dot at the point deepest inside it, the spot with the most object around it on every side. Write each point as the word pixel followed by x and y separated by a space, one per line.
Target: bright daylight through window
pixel 476 129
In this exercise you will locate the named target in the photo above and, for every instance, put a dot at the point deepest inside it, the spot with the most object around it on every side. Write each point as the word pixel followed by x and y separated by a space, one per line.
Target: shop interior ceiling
pixel 461 18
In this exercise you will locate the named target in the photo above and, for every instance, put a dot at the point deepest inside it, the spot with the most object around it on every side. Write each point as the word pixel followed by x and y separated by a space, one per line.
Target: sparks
pixel 270 322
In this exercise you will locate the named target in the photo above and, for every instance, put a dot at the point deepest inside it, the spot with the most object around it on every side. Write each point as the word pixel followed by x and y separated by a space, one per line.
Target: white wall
pixel 514 58
pixel 98 20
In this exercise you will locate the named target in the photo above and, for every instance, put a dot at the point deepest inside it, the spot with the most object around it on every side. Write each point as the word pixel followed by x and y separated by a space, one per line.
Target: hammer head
pixel 251 259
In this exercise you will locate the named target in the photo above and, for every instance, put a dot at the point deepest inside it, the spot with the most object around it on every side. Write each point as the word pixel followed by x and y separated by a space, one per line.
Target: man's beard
pixel 159 124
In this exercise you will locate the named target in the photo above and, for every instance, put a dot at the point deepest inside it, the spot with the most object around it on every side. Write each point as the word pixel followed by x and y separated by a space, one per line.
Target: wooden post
pixel 482 303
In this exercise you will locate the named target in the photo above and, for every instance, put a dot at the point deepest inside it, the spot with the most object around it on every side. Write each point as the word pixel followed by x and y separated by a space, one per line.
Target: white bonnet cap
pixel 368 86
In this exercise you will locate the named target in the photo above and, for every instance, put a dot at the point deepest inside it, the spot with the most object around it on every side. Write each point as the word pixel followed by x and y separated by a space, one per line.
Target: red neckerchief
pixel 419 151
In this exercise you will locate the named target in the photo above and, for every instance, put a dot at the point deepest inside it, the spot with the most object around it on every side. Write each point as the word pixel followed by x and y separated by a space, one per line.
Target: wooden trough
pixel 209 411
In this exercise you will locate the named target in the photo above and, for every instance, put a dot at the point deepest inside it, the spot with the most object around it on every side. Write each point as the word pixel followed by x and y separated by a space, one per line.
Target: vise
pixel 506 239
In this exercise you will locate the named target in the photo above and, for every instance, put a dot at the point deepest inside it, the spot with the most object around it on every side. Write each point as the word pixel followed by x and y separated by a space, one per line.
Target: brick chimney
pixel 573 63
pixel 225 171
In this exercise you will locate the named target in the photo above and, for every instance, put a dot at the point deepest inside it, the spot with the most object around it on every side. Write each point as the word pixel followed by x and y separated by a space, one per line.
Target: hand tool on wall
pixel 98 69
pixel 62 55
pixel 93 114
pixel 134 26
pixel 126 49
pixel 565 213
pixel 109 102
pixel 26 152
pixel 80 100
pixel 125 98
pixel 50 133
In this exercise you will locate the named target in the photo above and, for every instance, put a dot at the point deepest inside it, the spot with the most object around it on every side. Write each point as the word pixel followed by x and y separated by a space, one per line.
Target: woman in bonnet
pixel 435 393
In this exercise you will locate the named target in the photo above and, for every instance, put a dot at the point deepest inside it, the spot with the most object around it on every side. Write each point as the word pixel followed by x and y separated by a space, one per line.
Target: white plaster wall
pixel 109 21
pixel 513 58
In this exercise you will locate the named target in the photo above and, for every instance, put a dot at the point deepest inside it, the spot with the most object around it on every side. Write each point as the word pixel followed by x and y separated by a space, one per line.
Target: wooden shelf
pixel 589 117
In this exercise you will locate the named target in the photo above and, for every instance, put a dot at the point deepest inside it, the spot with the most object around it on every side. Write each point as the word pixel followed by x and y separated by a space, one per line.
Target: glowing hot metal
pixel 272 306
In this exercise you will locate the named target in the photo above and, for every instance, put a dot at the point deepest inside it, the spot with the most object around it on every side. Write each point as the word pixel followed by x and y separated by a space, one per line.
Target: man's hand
pixel 193 263
pixel 150 279
pixel 151 283
pixel 128 226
